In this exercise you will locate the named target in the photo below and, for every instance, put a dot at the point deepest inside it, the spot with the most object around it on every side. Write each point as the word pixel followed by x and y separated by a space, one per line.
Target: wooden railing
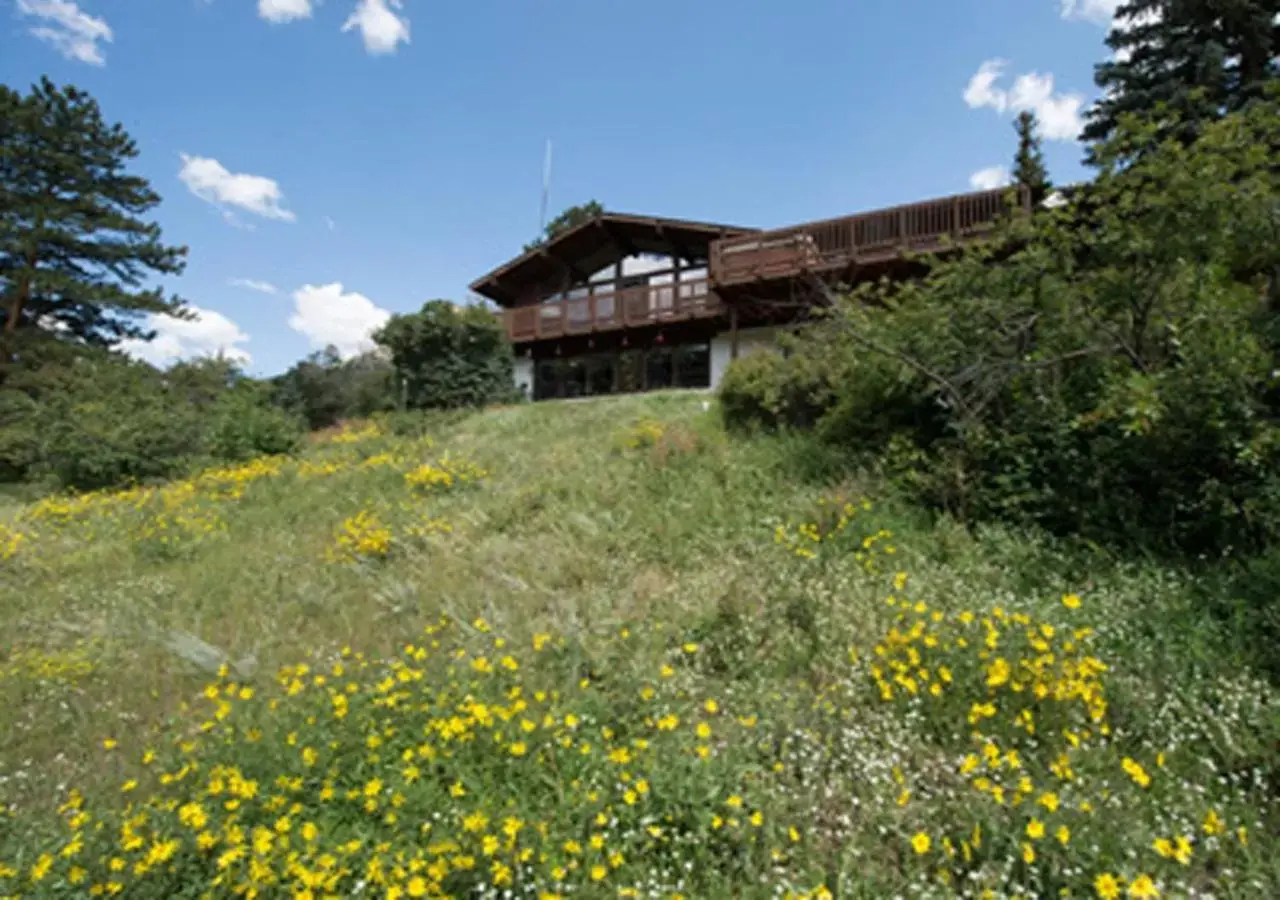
pixel 627 308
pixel 835 244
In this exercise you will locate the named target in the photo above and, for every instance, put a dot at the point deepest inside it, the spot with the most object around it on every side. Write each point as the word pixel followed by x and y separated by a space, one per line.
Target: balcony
pixel 632 307
pixel 837 245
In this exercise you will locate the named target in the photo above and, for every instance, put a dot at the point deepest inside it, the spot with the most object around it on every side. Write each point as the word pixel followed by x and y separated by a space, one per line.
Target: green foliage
pixel 1105 369
pixel 1028 163
pixel 1200 59
pixel 1246 597
pixel 74 252
pixel 448 356
pixel 95 419
pixel 767 388
pixel 98 421
pixel 569 218
pixel 242 425
pixel 325 389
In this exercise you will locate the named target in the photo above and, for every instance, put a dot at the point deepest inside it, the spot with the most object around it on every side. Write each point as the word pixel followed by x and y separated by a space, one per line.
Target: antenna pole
pixel 546 187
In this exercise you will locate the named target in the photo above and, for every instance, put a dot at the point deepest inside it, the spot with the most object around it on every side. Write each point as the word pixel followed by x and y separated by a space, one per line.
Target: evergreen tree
pixel 74 252
pixel 1201 59
pixel 1028 163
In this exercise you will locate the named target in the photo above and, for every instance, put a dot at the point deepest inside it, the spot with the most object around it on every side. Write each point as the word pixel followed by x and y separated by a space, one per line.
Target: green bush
pixel 96 419
pixel 243 425
pixel 752 388
pixel 1246 596
pixel 325 389
pixel 1105 370
pixel 778 389
pixel 448 356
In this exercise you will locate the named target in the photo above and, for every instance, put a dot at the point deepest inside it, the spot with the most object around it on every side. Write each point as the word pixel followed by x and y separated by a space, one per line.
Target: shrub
pixel 1247 597
pixel 1105 369
pixel 243 426
pixel 773 390
pixel 96 419
pixel 101 420
pixel 325 389
pixel 448 356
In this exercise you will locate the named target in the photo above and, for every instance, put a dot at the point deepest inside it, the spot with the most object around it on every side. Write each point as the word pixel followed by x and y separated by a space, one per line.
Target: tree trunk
pixel 19 301
pixel 20 297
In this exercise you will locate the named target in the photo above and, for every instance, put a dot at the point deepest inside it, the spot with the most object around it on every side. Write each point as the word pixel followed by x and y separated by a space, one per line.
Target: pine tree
pixel 74 253
pixel 1200 58
pixel 1028 163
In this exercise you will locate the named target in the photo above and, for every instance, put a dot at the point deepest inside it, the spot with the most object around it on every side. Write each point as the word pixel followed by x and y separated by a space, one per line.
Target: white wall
pixel 524 375
pixel 750 340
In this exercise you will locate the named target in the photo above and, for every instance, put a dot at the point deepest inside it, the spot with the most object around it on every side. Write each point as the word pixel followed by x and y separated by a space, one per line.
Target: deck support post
pixel 733 331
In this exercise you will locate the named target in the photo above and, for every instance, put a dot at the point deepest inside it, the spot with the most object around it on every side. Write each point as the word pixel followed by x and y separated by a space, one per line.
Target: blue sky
pixel 359 157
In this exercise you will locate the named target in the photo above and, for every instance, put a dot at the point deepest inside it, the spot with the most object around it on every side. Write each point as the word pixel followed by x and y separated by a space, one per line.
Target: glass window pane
pixel 693 366
pixel 658 369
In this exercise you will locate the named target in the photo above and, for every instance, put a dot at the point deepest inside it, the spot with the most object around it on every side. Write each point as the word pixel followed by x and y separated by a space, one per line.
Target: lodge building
pixel 625 303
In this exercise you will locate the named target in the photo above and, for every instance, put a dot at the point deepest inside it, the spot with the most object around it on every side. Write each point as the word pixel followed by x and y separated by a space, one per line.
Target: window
pixel 658 369
pixel 600 375
pixel 547 382
pixel 575 378
pixel 693 366
pixel 630 371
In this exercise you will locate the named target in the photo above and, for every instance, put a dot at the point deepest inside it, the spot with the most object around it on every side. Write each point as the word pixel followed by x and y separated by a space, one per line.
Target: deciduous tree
pixel 570 218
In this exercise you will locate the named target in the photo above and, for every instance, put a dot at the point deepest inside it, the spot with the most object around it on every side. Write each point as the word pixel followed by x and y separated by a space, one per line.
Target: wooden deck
pixel 628 308
pixel 838 245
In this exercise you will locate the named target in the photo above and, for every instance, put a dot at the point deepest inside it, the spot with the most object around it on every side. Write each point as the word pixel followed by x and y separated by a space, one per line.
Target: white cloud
pixel 74 33
pixel 208 334
pixel 1107 13
pixel 989 178
pixel 1059 113
pixel 332 225
pixel 327 316
pixel 230 218
pixel 1101 12
pixel 278 11
pixel 262 287
pixel 209 180
pixel 981 90
pixel 382 29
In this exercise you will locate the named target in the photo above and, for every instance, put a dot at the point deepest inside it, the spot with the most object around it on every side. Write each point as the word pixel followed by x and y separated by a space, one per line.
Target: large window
pixel 600 375
pixel 546 380
pixel 693 366
pixel 625 371
pixel 658 369
pixel 630 371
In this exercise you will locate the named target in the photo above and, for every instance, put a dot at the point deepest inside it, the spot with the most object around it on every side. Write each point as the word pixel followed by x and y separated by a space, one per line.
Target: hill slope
pixel 603 649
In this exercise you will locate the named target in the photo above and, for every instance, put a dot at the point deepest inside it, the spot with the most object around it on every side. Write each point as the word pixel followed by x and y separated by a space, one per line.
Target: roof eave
pixel 488 285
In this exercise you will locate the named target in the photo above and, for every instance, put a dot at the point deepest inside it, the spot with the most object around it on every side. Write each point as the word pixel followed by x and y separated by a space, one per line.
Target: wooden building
pixel 630 303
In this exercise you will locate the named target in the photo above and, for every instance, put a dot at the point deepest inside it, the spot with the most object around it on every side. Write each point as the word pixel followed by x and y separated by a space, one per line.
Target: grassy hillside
pixel 602 649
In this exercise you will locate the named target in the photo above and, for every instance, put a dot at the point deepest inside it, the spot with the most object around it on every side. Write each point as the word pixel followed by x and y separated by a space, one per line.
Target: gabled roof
pixel 587 248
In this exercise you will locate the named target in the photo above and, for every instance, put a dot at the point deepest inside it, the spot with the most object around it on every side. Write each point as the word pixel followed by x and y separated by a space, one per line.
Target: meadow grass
pixel 605 649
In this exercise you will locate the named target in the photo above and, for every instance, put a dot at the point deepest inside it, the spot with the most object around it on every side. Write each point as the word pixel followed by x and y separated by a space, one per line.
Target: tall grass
pixel 603 649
